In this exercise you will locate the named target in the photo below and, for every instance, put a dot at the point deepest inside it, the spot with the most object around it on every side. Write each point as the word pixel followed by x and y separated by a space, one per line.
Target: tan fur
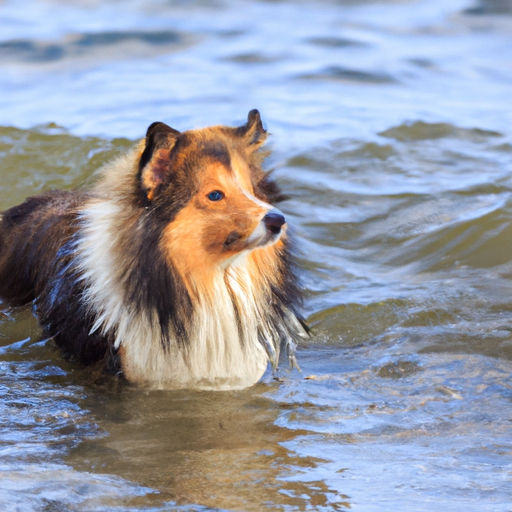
pixel 194 241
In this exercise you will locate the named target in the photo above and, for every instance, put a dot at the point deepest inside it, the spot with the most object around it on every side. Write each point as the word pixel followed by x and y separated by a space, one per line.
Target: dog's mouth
pixel 231 240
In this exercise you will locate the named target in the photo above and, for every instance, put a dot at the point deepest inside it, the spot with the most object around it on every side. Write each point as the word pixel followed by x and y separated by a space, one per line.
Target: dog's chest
pixel 222 351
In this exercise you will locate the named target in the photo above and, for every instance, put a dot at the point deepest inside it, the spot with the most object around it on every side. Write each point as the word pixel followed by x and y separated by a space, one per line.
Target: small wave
pixel 110 44
pixel 339 73
pixel 46 157
pixel 491 7
pixel 251 58
pixel 358 323
pixel 334 42
pixel 420 130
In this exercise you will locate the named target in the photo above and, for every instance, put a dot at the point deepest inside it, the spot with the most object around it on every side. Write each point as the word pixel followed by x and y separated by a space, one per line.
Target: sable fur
pixel 147 274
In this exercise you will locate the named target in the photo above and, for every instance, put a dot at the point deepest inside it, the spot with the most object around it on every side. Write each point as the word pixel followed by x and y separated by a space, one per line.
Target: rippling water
pixel 391 133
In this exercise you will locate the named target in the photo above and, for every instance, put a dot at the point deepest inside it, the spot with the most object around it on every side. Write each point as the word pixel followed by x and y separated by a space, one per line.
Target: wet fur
pixel 146 274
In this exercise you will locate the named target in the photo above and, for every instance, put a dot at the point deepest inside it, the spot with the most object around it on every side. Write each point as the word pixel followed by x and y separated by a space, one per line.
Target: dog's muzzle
pixel 268 230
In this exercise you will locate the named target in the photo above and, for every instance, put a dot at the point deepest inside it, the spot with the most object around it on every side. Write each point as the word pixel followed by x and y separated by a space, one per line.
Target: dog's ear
pixel 253 132
pixel 154 164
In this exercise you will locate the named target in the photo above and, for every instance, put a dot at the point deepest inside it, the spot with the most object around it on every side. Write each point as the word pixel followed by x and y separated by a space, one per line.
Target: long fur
pixel 144 273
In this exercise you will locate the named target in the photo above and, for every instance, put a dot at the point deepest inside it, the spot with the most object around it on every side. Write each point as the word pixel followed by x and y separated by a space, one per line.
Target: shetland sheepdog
pixel 173 271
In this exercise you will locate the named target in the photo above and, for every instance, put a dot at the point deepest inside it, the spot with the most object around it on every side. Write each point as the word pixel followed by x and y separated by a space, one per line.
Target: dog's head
pixel 209 185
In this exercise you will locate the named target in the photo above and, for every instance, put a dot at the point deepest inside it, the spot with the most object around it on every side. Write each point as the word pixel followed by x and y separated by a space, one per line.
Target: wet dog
pixel 174 270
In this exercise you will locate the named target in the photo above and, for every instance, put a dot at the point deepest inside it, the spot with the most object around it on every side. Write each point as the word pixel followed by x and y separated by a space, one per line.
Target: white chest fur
pixel 220 353
pixel 223 349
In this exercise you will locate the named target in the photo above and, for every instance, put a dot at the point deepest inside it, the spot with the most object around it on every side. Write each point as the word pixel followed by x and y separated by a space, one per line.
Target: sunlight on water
pixel 391 135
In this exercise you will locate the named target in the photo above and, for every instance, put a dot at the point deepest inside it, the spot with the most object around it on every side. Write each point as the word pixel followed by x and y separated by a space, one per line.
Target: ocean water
pixel 391 133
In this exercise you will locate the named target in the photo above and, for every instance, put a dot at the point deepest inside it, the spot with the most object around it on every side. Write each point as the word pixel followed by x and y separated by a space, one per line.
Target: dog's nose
pixel 273 221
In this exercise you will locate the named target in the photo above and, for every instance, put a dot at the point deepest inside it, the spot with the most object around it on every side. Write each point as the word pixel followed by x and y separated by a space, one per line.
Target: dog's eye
pixel 216 195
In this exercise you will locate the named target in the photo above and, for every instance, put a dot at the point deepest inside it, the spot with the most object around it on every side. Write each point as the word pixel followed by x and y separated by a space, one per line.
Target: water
pixel 390 125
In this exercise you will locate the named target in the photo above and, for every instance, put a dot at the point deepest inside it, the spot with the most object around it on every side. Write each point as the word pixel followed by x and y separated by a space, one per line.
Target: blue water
pixel 391 132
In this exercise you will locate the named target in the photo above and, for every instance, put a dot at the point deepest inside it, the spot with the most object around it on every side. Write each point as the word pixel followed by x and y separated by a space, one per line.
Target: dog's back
pixel 31 234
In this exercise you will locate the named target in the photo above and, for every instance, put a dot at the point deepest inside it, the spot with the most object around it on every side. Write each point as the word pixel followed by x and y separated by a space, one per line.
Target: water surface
pixel 390 125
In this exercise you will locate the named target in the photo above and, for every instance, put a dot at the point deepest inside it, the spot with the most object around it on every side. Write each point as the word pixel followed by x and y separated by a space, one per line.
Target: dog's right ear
pixel 154 164
pixel 252 132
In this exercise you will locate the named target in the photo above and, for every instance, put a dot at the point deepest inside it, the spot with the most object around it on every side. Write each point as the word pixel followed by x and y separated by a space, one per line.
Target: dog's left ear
pixel 253 132
pixel 154 164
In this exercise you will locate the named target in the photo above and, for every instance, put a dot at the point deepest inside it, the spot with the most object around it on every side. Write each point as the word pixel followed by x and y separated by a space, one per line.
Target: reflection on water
pixel 391 135
pixel 222 449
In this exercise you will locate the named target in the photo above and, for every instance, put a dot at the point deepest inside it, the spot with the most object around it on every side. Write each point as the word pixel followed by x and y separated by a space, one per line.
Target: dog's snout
pixel 273 221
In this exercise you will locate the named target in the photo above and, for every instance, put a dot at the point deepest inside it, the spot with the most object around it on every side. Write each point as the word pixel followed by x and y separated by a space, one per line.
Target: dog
pixel 174 270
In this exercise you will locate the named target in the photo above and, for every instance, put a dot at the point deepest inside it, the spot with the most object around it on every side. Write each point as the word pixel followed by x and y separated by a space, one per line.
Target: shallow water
pixel 391 133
